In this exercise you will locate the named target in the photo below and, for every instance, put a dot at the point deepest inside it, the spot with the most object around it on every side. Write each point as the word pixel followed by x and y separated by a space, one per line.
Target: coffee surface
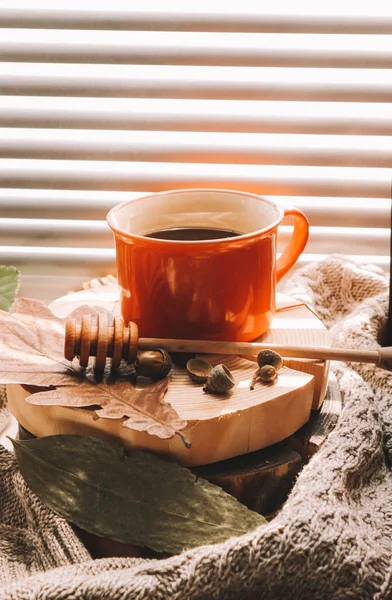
pixel 192 234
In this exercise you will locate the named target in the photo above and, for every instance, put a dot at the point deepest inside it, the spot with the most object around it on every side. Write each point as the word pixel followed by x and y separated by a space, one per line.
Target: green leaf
pixel 9 284
pixel 140 499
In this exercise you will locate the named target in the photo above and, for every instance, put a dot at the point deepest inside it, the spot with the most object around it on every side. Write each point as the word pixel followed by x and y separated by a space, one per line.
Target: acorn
pixel 198 370
pixel 269 357
pixel 267 373
pixel 219 381
pixel 269 362
pixel 154 364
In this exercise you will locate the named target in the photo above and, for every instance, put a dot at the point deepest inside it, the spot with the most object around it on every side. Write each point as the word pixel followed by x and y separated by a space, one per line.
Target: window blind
pixel 98 105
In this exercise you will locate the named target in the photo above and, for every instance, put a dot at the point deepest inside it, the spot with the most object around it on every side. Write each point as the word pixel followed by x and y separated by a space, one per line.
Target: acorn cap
pixel 269 357
pixel 198 370
pixel 220 380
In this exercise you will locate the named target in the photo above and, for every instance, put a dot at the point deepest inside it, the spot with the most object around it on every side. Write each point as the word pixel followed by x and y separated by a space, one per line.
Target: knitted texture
pixel 4 412
pixel 331 540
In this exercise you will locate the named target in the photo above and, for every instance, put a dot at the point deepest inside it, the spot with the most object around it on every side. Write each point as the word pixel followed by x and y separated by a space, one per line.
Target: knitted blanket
pixel 332 538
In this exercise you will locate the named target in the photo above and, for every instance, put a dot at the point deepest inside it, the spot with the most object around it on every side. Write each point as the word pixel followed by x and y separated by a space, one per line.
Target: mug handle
pixel 297 243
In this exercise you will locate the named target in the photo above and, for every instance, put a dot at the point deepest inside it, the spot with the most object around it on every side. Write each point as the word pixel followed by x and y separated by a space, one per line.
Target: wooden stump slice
pixel 219 427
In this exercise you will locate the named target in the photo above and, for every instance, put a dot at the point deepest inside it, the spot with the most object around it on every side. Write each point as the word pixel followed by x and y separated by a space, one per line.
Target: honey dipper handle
pixel 119 341
pixel 378 357
pixel 385 356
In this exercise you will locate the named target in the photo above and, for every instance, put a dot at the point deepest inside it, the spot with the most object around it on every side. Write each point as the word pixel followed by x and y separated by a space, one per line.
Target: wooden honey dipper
pixel 118 341
pixel 121 342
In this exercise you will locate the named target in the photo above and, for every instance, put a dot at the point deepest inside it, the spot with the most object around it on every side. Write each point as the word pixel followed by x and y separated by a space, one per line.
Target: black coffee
pixel 192 234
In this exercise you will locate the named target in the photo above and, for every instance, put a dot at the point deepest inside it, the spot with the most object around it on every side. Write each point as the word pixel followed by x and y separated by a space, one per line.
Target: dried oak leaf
pixel 32 346
pixel 32 353
pixel 144 409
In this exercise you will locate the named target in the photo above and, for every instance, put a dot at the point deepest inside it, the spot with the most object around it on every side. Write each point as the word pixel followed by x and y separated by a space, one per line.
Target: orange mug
pixel 215 289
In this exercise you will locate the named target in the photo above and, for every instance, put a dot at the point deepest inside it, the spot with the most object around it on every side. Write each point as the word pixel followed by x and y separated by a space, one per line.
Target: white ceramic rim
pixel 127 234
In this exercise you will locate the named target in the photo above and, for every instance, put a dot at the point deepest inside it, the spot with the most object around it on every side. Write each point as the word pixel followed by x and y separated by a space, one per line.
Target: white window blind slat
pixel 196 48
pixel 103 103
pixel 56 260
pixel 143 176
pixel 336 17
pixel 224 83
pixel 59 204
pixel 205 147
pixel 242 116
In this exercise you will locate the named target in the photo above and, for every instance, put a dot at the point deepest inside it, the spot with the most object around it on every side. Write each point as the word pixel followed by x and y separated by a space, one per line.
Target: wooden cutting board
pixel 218 427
